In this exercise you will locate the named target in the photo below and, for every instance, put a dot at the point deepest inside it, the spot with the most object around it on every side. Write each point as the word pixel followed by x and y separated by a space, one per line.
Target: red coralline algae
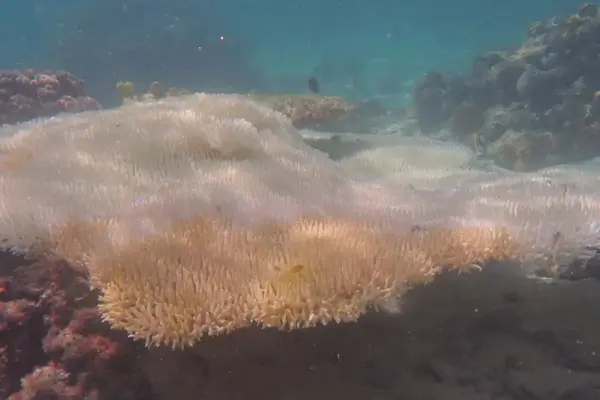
pixel 53 343
pixel 30 94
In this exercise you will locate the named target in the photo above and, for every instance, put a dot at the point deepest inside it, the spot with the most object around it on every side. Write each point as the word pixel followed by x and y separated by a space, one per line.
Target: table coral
pixel 213 214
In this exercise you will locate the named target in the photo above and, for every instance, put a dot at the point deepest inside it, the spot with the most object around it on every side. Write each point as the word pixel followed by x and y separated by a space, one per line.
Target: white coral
pixel 202 214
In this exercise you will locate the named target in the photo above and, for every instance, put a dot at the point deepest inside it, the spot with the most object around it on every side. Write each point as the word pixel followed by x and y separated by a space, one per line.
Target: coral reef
pixel 213 214
pixel 127 92
pixel 306 110
pixel 303 110
pixel 30 94
pixel 213 206
pixel 52 342
pixel 546 88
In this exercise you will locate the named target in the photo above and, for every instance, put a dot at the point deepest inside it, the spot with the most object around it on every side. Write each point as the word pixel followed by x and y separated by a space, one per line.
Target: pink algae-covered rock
pixel 53 343
pixel 30 94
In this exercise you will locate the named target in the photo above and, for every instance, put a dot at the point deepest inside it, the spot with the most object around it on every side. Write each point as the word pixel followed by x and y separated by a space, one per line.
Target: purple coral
pixel 30 94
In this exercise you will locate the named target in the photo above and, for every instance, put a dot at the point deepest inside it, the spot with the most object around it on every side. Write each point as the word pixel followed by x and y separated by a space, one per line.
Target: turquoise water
pixel 357 49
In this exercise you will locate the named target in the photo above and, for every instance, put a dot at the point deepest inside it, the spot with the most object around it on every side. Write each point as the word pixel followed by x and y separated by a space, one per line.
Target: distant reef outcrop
pixel 528 107
pixel 31 94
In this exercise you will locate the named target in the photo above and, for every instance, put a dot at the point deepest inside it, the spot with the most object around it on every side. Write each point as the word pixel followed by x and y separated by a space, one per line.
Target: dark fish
pixel 313 84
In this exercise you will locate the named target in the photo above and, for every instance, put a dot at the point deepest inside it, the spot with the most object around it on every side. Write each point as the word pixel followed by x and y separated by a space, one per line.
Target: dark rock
pixel 504 76
pixel 482 93
pixel 540 88
pixel 524 151
pixel 500 119
pixel 576 272
pixel 588 10
pixel 457 91
pixel 583 393
pixel 440 370
pixel 512 361
pixel 483 63
pixel 592 267
pixel 504 320
pixel 511 298
pixel 579 356
pixel 467 119
pixel 429 106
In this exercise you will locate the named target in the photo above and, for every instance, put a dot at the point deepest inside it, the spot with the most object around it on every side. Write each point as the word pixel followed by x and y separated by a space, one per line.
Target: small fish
pixel 313 85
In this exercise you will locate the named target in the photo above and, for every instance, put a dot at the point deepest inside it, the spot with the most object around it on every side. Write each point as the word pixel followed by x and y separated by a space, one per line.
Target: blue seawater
pixel 357 49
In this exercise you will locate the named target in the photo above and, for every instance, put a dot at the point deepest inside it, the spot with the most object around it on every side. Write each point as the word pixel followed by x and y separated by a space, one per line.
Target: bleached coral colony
pixel 202 214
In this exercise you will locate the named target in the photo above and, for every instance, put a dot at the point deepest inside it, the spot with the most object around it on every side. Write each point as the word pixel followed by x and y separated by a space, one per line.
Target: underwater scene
pixel 219 200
